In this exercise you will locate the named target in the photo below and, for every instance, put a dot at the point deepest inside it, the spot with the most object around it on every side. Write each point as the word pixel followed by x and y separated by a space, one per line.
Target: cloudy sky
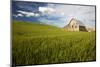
pixel 53 14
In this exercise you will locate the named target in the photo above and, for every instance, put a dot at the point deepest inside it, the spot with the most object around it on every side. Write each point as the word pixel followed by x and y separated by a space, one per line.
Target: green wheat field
pixel 35 43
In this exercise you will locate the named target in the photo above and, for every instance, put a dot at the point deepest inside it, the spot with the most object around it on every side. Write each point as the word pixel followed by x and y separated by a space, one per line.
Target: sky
pixel 52 13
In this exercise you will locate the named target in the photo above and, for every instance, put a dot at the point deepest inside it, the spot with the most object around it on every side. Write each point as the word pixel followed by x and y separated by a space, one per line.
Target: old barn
pixel 75 25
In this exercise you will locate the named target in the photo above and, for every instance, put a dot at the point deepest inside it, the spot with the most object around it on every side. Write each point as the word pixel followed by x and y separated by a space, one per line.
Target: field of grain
pixel 35 43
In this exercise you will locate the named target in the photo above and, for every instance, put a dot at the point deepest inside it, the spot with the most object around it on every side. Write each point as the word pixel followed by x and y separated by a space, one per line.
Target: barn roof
pixel 78 21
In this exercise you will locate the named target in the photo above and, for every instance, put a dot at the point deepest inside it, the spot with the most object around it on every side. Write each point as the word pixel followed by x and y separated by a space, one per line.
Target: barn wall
pixel 82 28
pixel 69 28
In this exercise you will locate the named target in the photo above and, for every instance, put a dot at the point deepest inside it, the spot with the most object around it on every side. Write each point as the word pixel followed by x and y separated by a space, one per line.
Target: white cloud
pixel 37 15
pixel 29 14
pixel 18 15
pixel 62 13
pixel 23 12
pixel 46 9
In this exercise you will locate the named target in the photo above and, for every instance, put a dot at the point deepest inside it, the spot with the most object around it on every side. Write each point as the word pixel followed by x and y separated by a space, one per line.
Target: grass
pixel 35 43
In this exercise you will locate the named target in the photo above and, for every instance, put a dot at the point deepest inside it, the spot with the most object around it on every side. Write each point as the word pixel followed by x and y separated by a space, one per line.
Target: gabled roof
pixel 78 21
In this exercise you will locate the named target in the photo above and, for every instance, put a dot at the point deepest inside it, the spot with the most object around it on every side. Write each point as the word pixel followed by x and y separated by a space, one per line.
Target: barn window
pixel 72 26
pixel 75 26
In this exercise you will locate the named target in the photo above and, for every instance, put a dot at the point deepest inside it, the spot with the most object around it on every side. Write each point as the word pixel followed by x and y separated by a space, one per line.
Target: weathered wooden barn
pixel 75 25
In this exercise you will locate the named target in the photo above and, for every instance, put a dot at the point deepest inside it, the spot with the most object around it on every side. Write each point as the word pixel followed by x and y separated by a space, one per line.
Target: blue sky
pixel 53 14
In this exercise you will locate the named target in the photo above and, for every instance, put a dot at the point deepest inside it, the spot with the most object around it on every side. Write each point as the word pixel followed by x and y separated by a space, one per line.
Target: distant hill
pixel 38 29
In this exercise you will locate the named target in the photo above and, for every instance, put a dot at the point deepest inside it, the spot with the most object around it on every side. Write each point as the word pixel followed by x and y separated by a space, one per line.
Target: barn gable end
pixel 75 25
